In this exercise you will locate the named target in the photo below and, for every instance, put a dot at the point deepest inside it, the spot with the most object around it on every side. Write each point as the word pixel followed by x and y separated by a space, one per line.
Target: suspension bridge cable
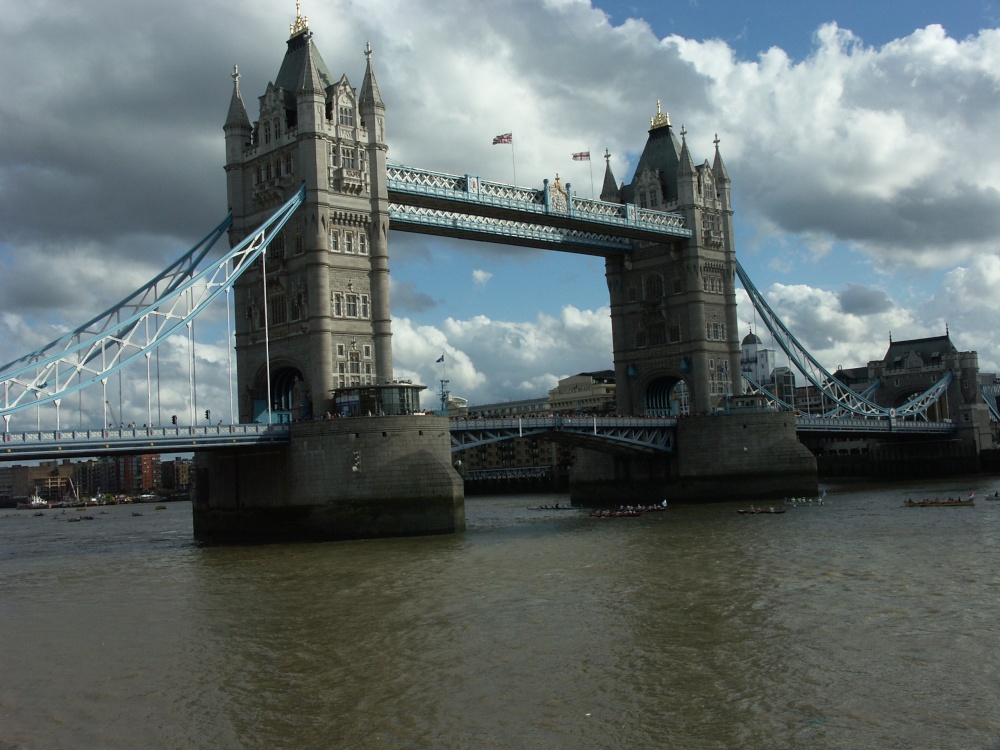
pixel 267 341
pixel 27 379
pixel 229 353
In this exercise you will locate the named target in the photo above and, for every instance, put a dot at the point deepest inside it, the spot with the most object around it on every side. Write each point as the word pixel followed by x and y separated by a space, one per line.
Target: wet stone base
pixel 337 479
pixel 343 521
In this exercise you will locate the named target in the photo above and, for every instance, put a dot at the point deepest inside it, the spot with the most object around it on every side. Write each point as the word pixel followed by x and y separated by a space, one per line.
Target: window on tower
pixel 277 309
pixel 346 116
pixel 653 287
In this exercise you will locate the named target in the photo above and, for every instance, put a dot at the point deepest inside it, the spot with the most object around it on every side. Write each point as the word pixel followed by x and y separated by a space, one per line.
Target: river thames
pixel 858 624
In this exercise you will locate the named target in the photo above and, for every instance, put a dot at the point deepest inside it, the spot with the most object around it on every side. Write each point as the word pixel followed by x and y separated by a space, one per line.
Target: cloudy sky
pixel 860 139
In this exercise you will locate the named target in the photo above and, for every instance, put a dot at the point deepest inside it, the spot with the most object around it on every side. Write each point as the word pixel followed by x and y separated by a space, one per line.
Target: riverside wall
pixel 730 456
pixel 337 479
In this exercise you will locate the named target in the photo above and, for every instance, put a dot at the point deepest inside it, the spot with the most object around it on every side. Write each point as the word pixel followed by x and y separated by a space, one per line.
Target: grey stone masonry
pixel 338 479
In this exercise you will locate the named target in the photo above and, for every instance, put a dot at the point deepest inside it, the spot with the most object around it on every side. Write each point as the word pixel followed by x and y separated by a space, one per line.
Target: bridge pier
pixel 337 479
pixel 727 456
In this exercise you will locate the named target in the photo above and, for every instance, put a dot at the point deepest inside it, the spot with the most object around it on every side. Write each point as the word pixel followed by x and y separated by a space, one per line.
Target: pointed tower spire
pixel 373 120
pixel 237 117
pixel 718 168
pixel 369 88
pixel 686 166
pixel 238 129
pixel 310 81
pixel 609 191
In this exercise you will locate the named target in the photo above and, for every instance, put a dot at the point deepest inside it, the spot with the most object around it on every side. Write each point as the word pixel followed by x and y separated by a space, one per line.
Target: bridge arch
pixel 667 395
pixel 289 393
pixel 936 412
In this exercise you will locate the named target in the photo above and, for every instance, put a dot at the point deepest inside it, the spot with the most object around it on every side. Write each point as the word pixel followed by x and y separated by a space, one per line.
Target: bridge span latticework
pixel 131 330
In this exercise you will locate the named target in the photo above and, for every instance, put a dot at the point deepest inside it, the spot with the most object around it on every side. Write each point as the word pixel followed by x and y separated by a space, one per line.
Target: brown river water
pixel 858 624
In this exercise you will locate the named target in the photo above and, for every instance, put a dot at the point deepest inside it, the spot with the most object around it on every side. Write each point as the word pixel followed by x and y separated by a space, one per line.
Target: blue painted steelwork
pixel 75 443
pixel 168 280
pixel 808 423
pixel 848 402
pixel 130 336
pixel 464 226
pixel 776 403
pixel 633 434
pixel 470 195
pixel 991 395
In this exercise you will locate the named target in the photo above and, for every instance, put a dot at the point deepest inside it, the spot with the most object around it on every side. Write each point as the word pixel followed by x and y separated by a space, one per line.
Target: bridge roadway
pixel 650 435
pixel 49 444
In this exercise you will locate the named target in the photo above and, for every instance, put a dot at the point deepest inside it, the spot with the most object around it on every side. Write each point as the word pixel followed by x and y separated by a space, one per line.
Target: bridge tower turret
pixel 673 305
pixel 373 119
pixel 326 293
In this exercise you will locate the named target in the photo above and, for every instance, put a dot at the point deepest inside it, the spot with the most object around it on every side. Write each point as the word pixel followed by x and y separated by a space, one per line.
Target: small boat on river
pixel 805 502
pixel 755 511
pixel 629 511
pixel 939 503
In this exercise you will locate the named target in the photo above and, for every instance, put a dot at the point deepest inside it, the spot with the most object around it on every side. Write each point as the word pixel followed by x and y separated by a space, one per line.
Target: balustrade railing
pixel 144 433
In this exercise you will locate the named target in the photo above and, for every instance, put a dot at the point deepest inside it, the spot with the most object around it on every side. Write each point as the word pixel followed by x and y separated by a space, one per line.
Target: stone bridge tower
pixel 326 293
pixel 673 304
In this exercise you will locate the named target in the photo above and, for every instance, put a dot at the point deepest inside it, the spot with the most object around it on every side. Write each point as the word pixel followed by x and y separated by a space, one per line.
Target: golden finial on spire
pixel 301 21
pixel 661 120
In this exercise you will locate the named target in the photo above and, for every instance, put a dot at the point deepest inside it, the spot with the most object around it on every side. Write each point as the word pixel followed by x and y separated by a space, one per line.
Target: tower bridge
pixel 312 202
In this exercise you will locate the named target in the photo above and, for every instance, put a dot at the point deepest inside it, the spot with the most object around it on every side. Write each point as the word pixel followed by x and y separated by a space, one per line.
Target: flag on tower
pixel 440 359
pixel 582 156
pixel 503 138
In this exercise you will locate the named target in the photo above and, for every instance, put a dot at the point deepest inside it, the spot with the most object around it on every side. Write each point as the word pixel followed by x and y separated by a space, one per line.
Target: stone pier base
pixel 338 479
pixel 731 456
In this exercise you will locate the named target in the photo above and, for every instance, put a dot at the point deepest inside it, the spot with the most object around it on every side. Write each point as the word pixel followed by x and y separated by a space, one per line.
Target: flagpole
pixel 512 164
pixel 591 176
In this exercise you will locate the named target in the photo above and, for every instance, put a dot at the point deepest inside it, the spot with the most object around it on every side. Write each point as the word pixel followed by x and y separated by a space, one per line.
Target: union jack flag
pixel 582 156
pixel 503 138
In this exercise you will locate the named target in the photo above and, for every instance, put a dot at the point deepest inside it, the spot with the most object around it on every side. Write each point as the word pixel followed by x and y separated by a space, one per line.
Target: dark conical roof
pixel 310 81
pixel 662 153
pixel 300 50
